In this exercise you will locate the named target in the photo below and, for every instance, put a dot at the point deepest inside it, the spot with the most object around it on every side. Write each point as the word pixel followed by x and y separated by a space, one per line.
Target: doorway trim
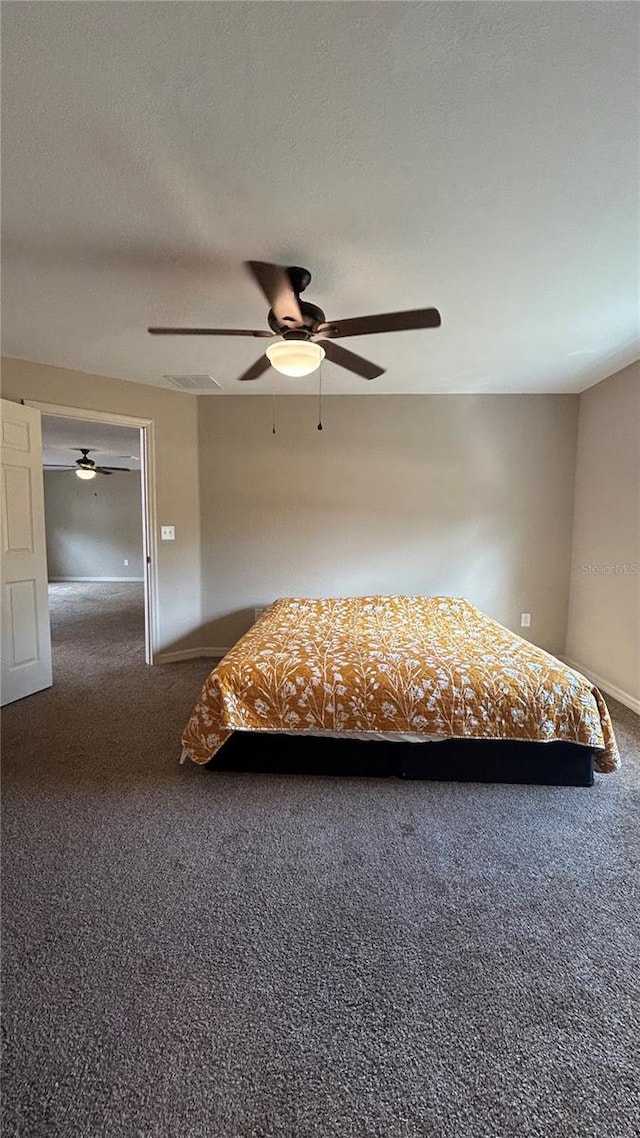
pixel 146 427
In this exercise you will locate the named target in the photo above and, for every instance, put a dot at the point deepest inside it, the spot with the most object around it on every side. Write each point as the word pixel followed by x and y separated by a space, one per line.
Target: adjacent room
pixel 95 542
pixel 320 447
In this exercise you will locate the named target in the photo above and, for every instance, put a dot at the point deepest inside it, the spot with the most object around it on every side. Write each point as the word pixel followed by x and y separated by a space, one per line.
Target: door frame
pixel 146 427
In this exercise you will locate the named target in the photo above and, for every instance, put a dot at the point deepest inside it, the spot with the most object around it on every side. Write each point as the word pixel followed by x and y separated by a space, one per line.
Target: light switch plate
pixel 168 533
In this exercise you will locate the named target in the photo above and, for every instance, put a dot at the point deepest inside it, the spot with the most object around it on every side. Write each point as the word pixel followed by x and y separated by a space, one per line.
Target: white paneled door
pixel 26 637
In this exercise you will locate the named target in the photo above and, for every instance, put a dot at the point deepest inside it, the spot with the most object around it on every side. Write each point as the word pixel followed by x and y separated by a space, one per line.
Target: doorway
pixel 98 521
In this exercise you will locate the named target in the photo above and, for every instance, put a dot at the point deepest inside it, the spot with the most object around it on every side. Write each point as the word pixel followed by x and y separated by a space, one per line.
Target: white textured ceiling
pixel 109 444
pixel 477 157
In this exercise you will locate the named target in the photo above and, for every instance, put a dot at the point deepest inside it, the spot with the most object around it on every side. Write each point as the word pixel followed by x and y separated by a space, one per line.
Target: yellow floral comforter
pixel 424 667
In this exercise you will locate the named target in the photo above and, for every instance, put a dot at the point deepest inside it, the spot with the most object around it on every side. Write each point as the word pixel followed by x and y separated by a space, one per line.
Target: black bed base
pixel 453 760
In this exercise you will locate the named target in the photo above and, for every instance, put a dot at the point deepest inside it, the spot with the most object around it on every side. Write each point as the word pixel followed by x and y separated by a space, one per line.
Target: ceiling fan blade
pixel 102 470
pixel 108 469
pixel 339 355
pixel 384 322
pixel 276 285
pixel 210 332
pixel 257 369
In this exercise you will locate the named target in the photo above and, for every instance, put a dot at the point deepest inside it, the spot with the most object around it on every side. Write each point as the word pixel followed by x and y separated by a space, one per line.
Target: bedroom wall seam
pixel 574 499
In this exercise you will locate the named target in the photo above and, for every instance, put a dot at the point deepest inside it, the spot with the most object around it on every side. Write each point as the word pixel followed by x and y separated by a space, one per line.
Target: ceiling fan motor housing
pixel 300 278
pixel 312 316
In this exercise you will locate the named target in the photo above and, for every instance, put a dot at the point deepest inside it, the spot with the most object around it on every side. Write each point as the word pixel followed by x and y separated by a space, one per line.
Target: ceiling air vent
pixel 196 384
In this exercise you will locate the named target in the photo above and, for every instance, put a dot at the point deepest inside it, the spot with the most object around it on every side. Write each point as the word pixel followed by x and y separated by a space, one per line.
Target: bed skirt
pixel 452 760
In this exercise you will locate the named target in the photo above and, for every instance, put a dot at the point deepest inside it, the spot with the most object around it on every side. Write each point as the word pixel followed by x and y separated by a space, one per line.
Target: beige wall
pixel 417 494
pixel 603 635
pixel 93 527
pixel 405 494
pixel 175 419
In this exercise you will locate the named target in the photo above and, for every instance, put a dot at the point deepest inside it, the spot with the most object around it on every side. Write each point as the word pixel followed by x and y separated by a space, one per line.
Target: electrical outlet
pixel 125 561
pixel 168 533
pixel 525 620
pixel 257 613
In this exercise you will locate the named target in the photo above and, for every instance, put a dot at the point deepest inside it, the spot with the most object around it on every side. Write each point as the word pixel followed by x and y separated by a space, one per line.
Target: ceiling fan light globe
pixel 85 474
pixel 295 357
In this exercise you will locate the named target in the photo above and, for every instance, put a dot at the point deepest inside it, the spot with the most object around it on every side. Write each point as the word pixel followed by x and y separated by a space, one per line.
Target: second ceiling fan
pixel 85 467
pixel 307 336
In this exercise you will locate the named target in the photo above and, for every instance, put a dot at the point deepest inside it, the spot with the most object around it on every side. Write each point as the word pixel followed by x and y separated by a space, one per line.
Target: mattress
pixel 418 668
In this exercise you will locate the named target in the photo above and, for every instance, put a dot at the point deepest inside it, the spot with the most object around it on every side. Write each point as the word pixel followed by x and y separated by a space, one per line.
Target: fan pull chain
pixel 320 398
pixel 273 415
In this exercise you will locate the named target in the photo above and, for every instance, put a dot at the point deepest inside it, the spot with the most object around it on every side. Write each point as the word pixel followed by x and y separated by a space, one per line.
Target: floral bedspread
pixel 428 667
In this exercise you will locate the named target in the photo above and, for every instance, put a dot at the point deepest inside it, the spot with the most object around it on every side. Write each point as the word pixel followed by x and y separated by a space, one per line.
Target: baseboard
pixel 606 685
pixel 62 580
pixel 190 654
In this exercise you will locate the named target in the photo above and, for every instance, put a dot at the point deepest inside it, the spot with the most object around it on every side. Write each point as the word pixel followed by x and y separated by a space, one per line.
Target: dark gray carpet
pixel 226 956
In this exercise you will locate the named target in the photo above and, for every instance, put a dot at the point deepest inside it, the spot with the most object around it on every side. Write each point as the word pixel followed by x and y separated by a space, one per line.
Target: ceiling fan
pixel 85 467
pixel 307 336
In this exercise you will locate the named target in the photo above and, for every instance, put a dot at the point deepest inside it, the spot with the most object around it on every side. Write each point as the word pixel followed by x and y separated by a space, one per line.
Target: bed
pixel 402 672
